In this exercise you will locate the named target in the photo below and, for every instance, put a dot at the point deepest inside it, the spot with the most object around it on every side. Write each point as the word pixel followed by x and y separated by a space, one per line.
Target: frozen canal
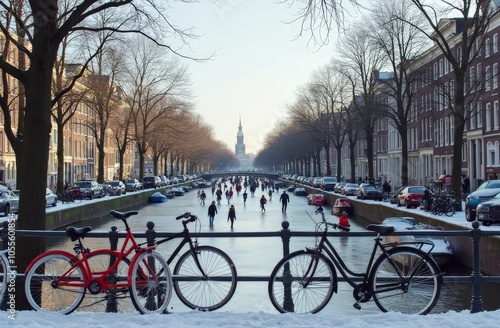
pixel 258 256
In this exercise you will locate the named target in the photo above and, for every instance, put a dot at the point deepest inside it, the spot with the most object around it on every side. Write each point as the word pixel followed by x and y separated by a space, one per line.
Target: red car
pixel 411 196
pixel 316 199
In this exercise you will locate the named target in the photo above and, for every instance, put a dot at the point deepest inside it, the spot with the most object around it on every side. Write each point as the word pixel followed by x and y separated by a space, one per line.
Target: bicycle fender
pixel 54 252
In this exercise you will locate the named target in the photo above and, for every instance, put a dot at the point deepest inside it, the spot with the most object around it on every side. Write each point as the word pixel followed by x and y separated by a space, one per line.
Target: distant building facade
pixel 239 148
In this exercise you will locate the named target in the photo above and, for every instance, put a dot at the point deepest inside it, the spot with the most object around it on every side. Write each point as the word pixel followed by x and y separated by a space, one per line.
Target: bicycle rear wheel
pixel 406 281
pixel 302 282
pixel 113 299
pixel 46 292
pixel 151 289
pixel 4 271
pixel 205 292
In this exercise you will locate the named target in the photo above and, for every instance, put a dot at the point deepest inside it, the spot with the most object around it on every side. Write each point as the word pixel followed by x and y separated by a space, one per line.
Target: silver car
pixel 9 202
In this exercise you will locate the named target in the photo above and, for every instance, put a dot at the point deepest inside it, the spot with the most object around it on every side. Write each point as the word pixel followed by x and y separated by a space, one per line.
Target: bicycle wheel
pixel 151 289
pixel 113 299
pixel 44 290
pixel 406 281
pixel 4 271
pixel 302 282
pixel 450 209
pixel 210 291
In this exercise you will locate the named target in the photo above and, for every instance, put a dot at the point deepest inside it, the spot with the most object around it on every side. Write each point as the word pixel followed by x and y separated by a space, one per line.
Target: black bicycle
pixel 204 277
pixel 402 279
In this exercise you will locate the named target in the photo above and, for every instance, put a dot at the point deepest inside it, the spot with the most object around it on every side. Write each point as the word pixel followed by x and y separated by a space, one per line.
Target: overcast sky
pixel 257 66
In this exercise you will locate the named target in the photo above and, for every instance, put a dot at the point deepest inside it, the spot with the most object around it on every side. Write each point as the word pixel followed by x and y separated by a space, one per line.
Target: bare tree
pixel 154 86
pixel 360 63
pixel 401 43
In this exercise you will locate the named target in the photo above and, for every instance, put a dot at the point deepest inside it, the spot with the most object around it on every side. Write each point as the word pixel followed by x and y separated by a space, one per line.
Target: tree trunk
pixel 33 174
pixel 100 161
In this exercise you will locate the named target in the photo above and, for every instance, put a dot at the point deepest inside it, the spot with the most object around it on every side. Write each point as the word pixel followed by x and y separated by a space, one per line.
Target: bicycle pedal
pixel 357 306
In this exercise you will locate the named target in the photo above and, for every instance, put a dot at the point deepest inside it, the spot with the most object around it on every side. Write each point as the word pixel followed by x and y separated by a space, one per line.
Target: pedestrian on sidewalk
pixel 231 215
pixel 212 210
pixel 263 202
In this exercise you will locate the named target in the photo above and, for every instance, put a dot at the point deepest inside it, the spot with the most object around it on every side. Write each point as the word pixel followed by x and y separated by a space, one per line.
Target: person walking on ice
pixel 284 199
pixel 263 202
pixel 231 215
pixel 245 196
pixel 212 210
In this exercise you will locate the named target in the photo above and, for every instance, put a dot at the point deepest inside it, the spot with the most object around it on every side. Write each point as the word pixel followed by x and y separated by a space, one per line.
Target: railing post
pixel 5 241
pixel 150 233
pixel 150 238
pixel 5 237
pixel 287 277
pixel 111 304
pixel 476 277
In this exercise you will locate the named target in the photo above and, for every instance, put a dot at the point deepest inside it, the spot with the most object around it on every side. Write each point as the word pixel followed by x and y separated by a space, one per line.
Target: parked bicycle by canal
pixel 403 278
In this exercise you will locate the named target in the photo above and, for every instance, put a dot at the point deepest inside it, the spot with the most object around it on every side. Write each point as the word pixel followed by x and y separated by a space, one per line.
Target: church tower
pixel 239 148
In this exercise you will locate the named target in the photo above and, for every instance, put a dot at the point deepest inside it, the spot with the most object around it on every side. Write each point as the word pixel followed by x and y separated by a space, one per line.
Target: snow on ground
pixel 219 319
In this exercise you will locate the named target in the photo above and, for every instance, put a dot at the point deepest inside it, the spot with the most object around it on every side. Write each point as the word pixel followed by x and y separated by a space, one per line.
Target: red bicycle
pixel 57 281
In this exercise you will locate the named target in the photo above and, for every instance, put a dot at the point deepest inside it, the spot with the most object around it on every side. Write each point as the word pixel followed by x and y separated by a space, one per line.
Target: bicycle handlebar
pixel 190 217
pixel 338 226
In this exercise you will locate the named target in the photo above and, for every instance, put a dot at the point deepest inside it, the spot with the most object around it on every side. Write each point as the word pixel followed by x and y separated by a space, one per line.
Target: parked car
pixel 349 189
pixel 393 198
pixel 488 212
pixel 338 187
pixel 328 183
pixel 369 191
pixel 315 199
pixel 117 188
pixel 89 188
pixel 164 181
pixel 50 198
pixel 9 202
pixel 291 188
pixel 486 191
pixel 300 191
pixel 151 182
pixel 133 185
pixel 316 182
pixel 411 196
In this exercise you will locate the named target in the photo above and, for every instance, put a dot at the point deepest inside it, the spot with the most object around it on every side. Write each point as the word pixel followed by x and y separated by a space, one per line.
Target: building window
pixel 495 43
pixel 487 114
pixel 452 130
pixel 472 117
pixel 487 78
pixel 479 112
pixel 446 131
pixel 435 71
pixel 487 47
pixel 494 76
pixel 495 115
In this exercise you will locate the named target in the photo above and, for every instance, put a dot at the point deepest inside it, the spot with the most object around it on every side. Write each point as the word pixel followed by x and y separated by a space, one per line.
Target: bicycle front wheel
pixel 151 286
pixel 208 290
pixel 55 284
pixel 114 299
pixel 302 282
pixel 4 271
pixel 406 281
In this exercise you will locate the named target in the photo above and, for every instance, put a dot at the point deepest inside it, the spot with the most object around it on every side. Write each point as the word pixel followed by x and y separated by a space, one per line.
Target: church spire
pixel 240 145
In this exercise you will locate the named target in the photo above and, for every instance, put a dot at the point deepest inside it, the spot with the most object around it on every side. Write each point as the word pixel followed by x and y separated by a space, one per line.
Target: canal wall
pixel 462 246
pixel 64 216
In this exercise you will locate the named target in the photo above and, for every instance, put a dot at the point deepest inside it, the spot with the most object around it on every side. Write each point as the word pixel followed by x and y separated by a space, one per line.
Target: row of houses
pixel 431 124
pixel 80 155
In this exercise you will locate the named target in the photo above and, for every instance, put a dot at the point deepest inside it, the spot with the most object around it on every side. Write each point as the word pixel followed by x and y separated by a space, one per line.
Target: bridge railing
pixel 475 279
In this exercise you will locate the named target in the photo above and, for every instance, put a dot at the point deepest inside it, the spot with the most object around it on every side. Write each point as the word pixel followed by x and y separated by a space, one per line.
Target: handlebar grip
pixel 185 215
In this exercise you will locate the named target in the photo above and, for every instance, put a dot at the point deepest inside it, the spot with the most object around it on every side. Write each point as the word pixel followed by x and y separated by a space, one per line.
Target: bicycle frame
pixel 326 246
pixel 89 277
pixel 186 239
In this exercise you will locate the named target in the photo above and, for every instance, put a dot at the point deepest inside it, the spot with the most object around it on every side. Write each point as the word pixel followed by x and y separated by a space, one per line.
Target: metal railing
pixel 476 278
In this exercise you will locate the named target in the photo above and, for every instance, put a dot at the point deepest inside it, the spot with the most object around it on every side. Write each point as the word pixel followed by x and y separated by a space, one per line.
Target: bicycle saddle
pixel 380 228
pixel 122 215
pixel 74 233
